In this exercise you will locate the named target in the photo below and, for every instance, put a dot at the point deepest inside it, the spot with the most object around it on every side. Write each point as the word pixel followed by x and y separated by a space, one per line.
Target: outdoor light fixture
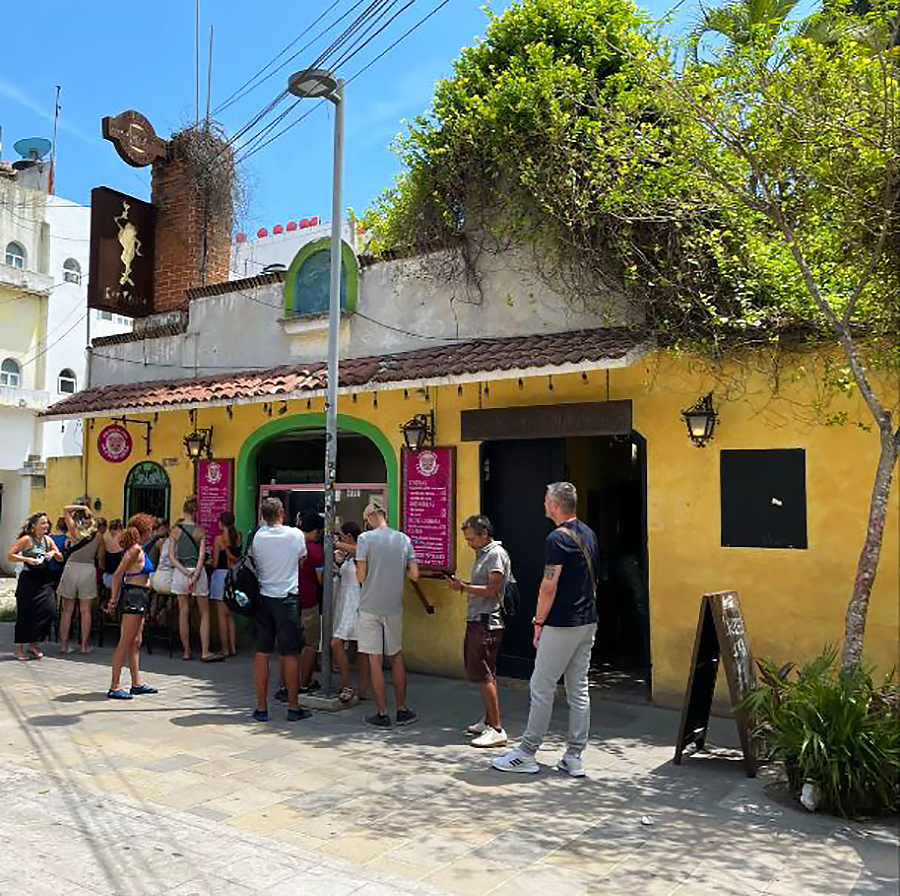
pixel 701 419
pixel 418 432
pixel 198 443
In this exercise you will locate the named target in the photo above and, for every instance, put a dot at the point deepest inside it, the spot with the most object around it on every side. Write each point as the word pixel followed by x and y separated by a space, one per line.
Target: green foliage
pixel 834 729
pixel 570 130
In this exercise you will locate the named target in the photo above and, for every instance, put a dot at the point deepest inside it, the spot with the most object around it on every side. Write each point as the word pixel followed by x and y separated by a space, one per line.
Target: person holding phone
pixel 484 624
pixel 35 598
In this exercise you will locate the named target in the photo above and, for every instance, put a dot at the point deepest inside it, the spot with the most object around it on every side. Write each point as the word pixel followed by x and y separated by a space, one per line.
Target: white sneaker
pixel 516 761
pixel 477 727
pixel 571 765
pixel 491 737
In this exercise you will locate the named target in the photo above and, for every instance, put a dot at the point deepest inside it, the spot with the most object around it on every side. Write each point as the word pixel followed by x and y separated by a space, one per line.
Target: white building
pixel 44 329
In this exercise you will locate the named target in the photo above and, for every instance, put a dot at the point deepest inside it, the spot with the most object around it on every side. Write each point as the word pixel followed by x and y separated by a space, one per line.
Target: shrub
pixel 835 730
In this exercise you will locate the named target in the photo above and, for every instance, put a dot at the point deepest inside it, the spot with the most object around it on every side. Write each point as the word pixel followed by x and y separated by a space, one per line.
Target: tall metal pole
pixel 331 433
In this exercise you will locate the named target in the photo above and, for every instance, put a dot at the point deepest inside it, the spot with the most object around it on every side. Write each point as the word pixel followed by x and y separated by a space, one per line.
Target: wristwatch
pixel 534 621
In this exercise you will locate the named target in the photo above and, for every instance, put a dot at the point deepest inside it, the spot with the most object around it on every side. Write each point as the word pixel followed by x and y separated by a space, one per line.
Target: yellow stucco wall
pixel 22 329
pixel 793 600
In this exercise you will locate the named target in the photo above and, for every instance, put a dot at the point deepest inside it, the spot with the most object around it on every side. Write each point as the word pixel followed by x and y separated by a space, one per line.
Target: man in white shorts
pixel 384 557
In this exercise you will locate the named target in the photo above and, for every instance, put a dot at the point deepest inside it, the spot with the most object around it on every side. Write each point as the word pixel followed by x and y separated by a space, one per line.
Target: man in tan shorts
pixel 384 557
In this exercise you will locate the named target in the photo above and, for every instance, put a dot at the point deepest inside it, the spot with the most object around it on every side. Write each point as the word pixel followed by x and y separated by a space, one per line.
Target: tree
pixel 736 202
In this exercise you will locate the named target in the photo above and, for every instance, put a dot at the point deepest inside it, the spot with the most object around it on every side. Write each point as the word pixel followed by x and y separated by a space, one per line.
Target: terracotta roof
pixel 227 286
pixel 159 332
pixel 480 356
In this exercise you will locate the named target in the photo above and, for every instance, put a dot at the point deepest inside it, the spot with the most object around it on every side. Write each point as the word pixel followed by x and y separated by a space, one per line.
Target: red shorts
pixel 480 651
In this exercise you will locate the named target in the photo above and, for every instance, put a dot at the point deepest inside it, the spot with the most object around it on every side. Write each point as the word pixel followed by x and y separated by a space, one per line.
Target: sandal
pixel 345 695
pixel 213 658
pixel 21 657
pixel 35 653
pixel 119 694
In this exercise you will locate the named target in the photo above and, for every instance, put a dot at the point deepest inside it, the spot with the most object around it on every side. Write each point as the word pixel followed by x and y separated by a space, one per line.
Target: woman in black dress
pixel 35 598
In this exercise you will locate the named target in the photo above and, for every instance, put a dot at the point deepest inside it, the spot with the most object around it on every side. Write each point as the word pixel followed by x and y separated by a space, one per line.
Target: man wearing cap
pixel 384 557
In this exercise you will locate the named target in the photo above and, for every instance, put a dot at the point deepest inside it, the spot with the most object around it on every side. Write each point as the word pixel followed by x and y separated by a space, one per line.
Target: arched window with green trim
pixel 147 490
pixel 307 283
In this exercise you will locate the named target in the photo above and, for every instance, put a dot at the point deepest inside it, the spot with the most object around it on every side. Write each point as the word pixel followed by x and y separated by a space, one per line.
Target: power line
pixel 48 347
pixel 242 91
pixel 350 80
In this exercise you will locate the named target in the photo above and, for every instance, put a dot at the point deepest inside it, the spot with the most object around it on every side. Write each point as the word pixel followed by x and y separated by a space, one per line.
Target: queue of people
pixel 145 556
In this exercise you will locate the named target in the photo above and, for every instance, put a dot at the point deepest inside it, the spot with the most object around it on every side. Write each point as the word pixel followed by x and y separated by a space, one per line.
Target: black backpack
pixel 242 585
pixel 509 600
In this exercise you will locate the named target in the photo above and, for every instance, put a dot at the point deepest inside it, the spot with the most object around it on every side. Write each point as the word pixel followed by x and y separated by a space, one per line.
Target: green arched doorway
pixel 247 486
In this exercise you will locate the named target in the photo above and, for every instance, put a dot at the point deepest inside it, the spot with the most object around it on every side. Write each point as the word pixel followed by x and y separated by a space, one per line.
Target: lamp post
pixel 318 84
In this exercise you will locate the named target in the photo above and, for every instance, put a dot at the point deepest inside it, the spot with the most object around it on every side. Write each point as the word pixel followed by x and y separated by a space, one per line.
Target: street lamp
pixel 319 84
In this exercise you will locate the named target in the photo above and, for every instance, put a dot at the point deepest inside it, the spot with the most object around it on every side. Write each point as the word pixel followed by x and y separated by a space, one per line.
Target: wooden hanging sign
pixel 721 634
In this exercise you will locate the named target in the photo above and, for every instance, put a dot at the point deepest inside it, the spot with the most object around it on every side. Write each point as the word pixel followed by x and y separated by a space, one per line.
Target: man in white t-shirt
pixel 384 557
pixel 276 552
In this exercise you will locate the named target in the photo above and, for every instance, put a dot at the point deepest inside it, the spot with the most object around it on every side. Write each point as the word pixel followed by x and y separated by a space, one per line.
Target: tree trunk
pixel 867 567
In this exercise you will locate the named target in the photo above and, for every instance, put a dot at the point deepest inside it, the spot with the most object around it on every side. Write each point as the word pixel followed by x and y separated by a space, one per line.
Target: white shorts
pixel 379 634
pixel 180 584
pixel 217 584
pixel 161 581
pixel 79 580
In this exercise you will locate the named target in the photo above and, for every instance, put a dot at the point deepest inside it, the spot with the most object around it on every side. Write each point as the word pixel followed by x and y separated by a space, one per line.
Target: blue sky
pixel 109 57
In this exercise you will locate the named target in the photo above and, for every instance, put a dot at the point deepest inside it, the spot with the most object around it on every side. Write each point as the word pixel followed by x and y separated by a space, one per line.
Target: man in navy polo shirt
pixel 565 624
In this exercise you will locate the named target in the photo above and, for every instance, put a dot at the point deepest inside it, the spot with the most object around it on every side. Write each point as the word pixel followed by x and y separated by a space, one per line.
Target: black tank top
pixel 112 560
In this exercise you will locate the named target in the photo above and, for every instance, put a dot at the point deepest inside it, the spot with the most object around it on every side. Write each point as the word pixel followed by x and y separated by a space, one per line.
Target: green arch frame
pixel 246 486
pixel 348 263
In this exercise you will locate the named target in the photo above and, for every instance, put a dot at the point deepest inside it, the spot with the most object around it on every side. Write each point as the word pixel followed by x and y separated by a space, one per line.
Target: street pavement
pixel 181 793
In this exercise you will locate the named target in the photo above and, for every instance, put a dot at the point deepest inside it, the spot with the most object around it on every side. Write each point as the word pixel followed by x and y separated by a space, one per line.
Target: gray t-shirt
pixel 491 558
pixel 386 552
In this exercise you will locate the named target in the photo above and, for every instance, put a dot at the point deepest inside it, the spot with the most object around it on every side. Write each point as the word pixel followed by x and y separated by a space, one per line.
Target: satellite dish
pixel 32 148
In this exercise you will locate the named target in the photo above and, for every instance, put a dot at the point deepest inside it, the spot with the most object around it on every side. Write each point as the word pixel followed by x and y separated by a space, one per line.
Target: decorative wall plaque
pixel 114 443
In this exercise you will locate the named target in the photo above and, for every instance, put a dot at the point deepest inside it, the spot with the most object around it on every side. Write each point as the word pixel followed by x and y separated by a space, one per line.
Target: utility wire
pixel 350 80
pixel 243 90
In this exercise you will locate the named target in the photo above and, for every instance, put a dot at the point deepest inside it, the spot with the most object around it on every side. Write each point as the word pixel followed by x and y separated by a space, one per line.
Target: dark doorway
pixel 514 477
pixel 610 475
pixel 291 468
pixel 147 490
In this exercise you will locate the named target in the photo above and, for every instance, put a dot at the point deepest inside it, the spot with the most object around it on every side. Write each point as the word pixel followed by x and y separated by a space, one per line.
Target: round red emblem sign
pixel 114 443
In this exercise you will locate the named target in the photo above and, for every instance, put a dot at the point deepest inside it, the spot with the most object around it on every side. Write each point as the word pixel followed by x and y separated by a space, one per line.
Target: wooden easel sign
pixel 720 635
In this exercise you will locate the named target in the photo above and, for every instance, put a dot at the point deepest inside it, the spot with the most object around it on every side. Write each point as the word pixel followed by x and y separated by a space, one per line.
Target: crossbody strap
pixel 584 553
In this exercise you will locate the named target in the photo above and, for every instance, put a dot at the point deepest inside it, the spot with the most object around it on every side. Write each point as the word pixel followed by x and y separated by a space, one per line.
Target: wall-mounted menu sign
pixel 428 505
pixel 214 491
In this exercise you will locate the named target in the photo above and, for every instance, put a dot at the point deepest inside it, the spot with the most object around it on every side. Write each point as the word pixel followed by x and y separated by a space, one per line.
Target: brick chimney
pixel 194 212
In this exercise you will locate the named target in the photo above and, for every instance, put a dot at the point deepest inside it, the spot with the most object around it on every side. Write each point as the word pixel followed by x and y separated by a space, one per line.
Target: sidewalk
pixel 180 793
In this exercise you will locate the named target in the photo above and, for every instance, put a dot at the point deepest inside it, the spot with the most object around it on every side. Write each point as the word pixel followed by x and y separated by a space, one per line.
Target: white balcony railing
pixel 26 399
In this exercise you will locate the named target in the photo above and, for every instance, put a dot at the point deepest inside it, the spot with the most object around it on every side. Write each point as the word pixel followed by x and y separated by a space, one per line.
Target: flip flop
pixel 213 658
pixel 119 694
pixel 21 657
pixel 36 654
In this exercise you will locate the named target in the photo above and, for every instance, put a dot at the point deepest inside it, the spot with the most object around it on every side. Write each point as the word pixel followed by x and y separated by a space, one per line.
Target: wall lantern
pixel 198 443
pixel 418 432
pixel 701 419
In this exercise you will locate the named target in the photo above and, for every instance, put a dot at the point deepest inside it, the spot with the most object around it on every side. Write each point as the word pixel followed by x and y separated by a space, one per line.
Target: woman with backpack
pixel 79 578
pixel 226 553
pixel 189 579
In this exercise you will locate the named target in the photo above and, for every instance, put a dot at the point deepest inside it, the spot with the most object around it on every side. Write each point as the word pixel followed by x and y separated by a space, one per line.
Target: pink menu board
pixel 427 505
pixel 214 490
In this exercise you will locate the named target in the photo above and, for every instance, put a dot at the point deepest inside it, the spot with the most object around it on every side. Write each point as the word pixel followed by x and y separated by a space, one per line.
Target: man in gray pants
pixel 565 624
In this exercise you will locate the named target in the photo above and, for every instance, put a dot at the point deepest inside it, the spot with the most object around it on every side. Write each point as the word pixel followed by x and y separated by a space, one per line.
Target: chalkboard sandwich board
pixel 721 634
